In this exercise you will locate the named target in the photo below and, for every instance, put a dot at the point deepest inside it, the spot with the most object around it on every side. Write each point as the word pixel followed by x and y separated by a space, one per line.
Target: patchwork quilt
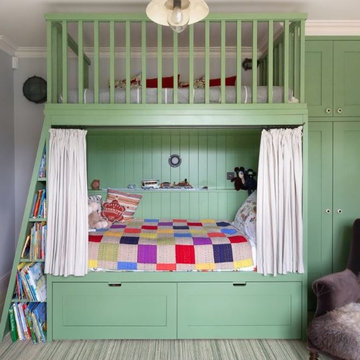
pixel 170 245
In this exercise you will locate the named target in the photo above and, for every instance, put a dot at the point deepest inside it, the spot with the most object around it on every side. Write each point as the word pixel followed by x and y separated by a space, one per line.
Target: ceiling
pixel 22 21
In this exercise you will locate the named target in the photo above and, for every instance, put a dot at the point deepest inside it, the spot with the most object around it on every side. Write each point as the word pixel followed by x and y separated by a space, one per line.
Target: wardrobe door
pixel 319 77
pixel 320 203
pixel 346 78
pixel 346 193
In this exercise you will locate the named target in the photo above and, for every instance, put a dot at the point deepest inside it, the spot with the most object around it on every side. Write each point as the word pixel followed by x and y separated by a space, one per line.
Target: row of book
pixel 35 242
pixel 28 321
pixel 38 209
pixel 30 282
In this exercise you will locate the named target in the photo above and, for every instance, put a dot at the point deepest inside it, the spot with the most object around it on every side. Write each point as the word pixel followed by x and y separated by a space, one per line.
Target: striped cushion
pixel 129 201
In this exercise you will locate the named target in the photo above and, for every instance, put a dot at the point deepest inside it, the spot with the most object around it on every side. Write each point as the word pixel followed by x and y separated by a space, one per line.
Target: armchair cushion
pixel 335 290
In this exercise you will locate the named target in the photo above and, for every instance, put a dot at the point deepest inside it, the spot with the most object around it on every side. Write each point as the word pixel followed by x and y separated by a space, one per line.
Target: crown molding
pixel 30 52
pixel 332 28
pixel 7 46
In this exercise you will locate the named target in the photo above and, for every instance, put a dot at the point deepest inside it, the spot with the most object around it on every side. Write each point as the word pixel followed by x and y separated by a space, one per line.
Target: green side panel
pixel 122 157
pixel 114 310
pixel 346 188
pixel 318 77
pixel 241 310
pixel 346 78
pixel 320 204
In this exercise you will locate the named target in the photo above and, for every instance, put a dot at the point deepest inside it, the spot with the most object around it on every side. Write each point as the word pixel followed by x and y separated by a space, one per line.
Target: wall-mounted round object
pixel 174 160
pixel 34 89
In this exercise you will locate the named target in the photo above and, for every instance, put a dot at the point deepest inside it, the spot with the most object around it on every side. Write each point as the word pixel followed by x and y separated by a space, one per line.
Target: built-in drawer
pixel 245 310
pixel 113 310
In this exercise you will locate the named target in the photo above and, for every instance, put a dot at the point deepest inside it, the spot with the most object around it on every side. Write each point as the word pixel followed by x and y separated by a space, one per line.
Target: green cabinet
pixel 334 199
pixel 332 77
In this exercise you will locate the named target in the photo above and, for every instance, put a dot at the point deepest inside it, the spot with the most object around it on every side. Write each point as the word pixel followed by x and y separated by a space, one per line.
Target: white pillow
pixel 245 219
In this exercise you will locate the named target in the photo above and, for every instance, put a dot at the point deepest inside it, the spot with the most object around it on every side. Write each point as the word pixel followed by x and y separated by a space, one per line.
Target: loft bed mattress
pixel 183 95
pixel 170 245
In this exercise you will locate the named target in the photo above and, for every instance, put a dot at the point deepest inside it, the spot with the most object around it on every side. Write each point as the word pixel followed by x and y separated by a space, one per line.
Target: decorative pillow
pixel 245 219
pixel 167 82
pixel 95 199
pixel 200 83
pixel 135 82
pixel 113 211
pixel 128 201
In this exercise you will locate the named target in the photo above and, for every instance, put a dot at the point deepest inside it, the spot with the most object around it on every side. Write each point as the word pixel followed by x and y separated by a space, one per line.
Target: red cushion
pixel 229 81
pixel 167 82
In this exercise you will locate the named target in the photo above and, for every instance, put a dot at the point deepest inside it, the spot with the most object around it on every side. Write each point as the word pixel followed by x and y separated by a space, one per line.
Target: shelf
pixel 37 219
pixel 44 179
pixel 31 261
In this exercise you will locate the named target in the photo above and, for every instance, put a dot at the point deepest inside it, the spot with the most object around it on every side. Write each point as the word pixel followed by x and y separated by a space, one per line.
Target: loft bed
pixel 134 84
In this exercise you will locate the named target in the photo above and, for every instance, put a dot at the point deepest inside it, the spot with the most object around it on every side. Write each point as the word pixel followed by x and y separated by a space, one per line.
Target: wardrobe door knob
pixel 327 211
pixel 339 110
pixel 339 211
pixel 328 110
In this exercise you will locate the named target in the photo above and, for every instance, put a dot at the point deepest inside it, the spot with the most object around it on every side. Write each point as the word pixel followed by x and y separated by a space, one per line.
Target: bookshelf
pixel 24 313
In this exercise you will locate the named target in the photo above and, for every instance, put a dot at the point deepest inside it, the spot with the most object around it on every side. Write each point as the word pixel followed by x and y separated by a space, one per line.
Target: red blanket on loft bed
pixel 170 245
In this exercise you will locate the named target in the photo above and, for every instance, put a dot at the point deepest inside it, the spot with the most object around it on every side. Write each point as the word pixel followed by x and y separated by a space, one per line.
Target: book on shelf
pixel 34 245
pixel 42 167
pixel 28 321
pixel 38 206
pixel 30 282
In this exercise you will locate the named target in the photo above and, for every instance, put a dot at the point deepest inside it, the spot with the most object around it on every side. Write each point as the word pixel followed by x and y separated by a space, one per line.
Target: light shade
pixel 177 13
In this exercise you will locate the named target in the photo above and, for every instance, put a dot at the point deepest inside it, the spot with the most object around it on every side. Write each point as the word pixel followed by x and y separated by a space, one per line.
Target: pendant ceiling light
pixel 177 13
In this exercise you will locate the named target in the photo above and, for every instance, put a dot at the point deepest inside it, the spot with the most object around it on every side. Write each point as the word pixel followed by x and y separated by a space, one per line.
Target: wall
pixel 7 211
pixel 28 120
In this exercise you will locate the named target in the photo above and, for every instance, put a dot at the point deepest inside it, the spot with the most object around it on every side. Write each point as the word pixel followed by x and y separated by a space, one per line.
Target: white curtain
pixel 279 228
pixel 67 238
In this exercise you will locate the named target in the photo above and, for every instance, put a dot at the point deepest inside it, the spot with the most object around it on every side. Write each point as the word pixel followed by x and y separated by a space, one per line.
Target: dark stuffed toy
pixel 239 179
pixel 250 182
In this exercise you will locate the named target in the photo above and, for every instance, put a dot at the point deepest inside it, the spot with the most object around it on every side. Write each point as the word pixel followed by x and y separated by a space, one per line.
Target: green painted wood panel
pixel 319 77
pixel 122 157
pixel 222 310
pixel 346 78
pixel 114 310
pixel 346 193
pixel 320 204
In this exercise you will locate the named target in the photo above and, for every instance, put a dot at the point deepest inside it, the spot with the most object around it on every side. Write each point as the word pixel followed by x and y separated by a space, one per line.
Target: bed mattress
pixel 170 245
pixel 183 95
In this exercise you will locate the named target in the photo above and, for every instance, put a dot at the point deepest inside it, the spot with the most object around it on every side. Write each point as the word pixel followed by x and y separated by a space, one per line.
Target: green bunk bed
pixel 99 71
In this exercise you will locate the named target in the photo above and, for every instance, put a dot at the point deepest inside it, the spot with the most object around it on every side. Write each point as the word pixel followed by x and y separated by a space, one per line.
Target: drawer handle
pixel 239 284
pixel 114 285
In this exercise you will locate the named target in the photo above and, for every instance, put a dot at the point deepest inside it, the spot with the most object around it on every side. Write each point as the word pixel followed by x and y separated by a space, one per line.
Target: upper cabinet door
pixel 319 77
pixel 346 78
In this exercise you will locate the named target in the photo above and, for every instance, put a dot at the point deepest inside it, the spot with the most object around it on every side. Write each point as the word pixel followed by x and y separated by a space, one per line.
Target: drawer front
pixel 251 310
pixel 114 311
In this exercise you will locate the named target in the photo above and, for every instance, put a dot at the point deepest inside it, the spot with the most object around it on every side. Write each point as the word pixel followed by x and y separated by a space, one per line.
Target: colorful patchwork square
pixel 113 233
pixel 126 265
pixel 165 231
pixel 183 234
pixel 184 241
pixel 216 234
pixel 150 235
pixel 146 267
pixel 132 231
pixel 202 241
pixel 151 220
pixel 147 254
pixel 166 254
pixel 222 223
pixel 117 226
pixel 104 264
pixel 240 251
pixel 223 253
pixel 220 240
pixel 180 227
pixel 208 221
pixel 127 253
pixel 180 221
pixel 228 232
pixel 204 254
pixel 149 227
pixel 147 241
pixel 129 240
pixel 237 239
pixel 185 254
pixel 166 267
pixel 205 267
pixel 224 266
pixel 165 223
pixel 95 238
pixel 184 267
pixel 108 252
pixel 197 224
pixel 165 241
